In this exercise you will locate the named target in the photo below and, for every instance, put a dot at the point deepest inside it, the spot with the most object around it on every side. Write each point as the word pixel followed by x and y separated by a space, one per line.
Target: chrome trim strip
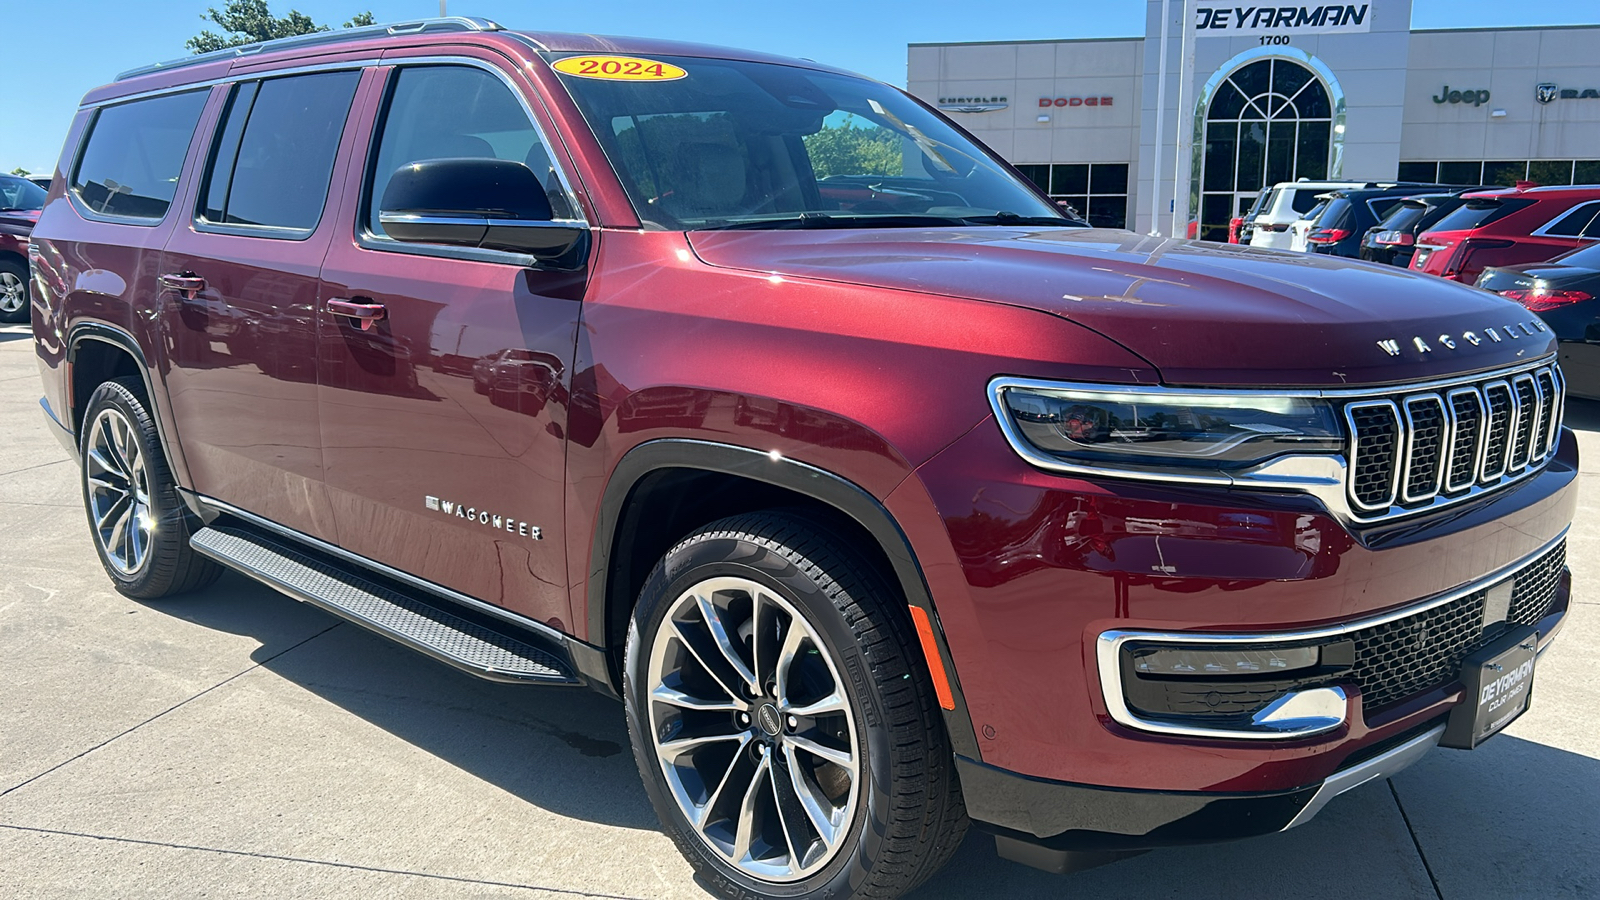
pixel 1108 650
pixel 387 218
pixel 1511 432
pixel 1401 436
pixel 546 631
pixel 1381 766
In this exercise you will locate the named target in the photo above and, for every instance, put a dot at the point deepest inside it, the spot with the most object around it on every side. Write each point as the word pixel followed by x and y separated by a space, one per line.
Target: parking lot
pixel 235 742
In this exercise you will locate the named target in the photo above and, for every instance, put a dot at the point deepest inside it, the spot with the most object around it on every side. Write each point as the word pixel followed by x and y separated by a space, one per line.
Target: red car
pixel 20 200
pixel 1509 227
pixel 886 498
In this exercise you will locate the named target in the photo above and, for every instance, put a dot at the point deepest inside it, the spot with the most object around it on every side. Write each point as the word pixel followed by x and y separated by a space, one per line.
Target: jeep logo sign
pixel 1233 21
pixel 1476 98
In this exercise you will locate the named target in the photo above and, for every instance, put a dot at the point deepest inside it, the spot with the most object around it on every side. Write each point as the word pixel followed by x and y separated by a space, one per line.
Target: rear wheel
pixel 782 719
pixel 139 525
pixel 14 305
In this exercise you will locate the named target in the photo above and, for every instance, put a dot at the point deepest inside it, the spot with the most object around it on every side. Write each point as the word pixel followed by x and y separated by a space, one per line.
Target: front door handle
pixel 186 283
pixel 364 314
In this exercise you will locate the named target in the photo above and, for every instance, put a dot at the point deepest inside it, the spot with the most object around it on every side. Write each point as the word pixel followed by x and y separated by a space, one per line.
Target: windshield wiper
pixel 828 220
pixel 1011 218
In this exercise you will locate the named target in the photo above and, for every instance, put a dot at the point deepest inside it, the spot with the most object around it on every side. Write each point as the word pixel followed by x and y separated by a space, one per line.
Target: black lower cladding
pixel 1388 663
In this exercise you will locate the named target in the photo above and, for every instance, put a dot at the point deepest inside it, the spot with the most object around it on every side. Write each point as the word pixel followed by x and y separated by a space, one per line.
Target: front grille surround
pixel 1453 442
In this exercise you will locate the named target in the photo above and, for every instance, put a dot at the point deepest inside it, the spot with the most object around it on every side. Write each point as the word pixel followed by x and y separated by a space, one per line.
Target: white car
pixel 1300 231
pixel 1287 202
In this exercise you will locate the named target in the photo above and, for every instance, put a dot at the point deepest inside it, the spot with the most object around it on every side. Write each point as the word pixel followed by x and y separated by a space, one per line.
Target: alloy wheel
pixel 13 293
pixel 752 729
pixel 119 491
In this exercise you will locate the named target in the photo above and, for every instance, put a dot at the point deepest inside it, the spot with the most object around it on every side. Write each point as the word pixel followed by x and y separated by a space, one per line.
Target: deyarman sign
pixel 1233 21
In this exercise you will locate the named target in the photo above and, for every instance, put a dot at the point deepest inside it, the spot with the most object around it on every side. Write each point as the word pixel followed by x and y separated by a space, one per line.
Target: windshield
pixel 20 193
pixel 730 144
pixel 1478 213
pixel 1404 217
pixel 1583 258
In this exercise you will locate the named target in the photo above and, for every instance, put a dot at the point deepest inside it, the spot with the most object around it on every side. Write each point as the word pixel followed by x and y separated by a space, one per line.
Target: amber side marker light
pixel 941 681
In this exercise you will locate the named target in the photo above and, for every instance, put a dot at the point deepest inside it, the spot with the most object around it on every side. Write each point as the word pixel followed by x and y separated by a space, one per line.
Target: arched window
pixel 1268 121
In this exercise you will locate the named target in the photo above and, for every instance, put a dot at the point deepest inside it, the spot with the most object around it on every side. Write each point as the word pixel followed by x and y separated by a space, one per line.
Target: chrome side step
pixel 473 645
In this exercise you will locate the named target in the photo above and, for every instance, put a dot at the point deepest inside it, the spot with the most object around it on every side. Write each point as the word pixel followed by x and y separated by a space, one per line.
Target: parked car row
pixel 20 202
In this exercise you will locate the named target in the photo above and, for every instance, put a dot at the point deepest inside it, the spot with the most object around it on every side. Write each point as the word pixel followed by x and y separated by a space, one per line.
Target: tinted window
pixel 20 193
pixel 274 155
pixel 1336 214
pixel 1573 223
pixel 747 144
pixel 1585 258
pixel 1302 201
pixel 453 112
pixel 1263 201
pixel 1478 213
pixel 1403 217
pixel 131 162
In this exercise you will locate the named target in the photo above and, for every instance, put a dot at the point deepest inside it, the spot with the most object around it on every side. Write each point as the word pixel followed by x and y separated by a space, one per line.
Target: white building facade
pixel 1326 92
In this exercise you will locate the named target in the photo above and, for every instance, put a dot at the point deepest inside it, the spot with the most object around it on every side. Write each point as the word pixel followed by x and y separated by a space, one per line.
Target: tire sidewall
pixel 722 555
pixel 163 507
pixel 26 312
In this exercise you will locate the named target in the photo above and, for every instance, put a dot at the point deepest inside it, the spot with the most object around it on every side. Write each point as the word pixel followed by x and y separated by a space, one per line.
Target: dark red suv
pixel 20 201
pixel 761 396
pixel 1510 227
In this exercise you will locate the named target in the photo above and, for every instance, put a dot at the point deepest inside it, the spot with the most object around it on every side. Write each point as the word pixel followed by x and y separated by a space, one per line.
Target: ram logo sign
pixel 1287 21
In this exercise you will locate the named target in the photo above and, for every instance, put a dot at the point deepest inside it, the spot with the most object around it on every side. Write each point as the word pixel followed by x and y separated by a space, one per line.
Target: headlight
pixel 1197 430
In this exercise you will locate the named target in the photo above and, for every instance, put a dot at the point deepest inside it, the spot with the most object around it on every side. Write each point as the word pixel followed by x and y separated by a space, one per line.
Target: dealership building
pixel 1254 95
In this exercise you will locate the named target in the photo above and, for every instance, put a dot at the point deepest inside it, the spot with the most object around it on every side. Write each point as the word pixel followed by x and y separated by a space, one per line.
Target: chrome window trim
pixel 1108 651
pixel 1322 476
pixel 1446 436
pixel 368 240
pixel 1544 230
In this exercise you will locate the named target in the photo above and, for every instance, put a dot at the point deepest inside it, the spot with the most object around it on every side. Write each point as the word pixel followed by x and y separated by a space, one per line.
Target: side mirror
pixel 495 204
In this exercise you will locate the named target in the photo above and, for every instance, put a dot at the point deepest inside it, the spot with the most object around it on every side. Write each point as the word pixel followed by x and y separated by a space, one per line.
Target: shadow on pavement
pixel 562 749
pixel 14 333
pixel 1582 415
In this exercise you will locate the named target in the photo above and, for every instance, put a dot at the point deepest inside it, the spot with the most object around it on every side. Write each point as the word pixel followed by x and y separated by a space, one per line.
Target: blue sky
pixel 56 50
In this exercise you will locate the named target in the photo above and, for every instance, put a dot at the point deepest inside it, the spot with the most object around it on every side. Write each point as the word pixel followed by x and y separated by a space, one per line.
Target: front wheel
pixel 782 718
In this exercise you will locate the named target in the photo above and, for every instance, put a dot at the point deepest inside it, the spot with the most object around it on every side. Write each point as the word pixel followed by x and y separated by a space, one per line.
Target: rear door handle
pixel 365 314
pixel 186 283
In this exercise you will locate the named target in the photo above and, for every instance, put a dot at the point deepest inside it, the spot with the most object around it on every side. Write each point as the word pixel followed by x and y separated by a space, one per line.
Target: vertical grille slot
pixel 1502 417
pixel 1466 409
pixel 1527 394
pixel 1546 440
pixel 1375 438
pixel 1425 439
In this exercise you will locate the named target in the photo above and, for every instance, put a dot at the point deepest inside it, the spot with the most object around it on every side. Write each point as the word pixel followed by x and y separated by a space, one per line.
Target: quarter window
pixel 130 164
pixel 1573 223
pixel 454 112
pixel 274 153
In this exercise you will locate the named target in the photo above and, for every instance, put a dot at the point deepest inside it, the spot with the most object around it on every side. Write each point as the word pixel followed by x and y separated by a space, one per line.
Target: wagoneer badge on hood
pixel 1392 347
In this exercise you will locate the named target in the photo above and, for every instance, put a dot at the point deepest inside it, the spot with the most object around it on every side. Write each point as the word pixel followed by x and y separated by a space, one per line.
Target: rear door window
pixel 130 164
pixel 1478 213
pixel 1573 222
pixel 274 153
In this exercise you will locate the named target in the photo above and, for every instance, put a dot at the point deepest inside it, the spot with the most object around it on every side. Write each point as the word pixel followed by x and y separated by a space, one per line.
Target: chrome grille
pixel 1398 659
pixel 1411 451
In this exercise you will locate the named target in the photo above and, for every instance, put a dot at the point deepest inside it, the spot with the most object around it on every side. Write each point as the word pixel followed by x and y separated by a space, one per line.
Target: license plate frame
pixel 1499 688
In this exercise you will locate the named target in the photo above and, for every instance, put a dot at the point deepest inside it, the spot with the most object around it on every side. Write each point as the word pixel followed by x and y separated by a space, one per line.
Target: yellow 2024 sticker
pixel 619 68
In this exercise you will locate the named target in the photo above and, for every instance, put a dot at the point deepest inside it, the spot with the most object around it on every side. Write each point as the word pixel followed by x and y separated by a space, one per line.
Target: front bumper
pixel 1061 827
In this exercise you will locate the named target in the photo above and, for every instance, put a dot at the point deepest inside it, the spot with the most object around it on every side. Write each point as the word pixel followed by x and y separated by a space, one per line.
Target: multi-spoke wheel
pixel 14 305
pixel 756 645
pixel 139 525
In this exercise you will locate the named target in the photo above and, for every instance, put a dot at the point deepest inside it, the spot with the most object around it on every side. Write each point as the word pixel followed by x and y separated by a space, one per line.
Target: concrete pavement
pixel 235 743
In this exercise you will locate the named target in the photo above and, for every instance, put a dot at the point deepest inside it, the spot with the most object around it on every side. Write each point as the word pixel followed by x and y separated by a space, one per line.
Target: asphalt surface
pixel 235 743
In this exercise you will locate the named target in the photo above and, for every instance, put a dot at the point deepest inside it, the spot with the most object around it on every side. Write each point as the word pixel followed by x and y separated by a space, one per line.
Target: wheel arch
pixel 646 486
pixel 96 353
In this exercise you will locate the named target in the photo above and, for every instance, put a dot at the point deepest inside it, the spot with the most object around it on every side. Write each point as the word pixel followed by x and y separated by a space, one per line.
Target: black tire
pixel 12 274
pixel 169 565
pixel 910 817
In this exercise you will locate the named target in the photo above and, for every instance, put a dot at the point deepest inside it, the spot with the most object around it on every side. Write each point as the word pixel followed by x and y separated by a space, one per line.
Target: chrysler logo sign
pixel 972 104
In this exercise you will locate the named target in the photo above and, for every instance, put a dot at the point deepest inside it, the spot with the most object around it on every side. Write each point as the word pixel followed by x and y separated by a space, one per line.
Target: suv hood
pixel 1200 313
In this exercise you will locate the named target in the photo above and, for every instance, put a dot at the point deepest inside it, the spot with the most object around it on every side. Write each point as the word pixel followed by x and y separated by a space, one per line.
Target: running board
pixel 473 645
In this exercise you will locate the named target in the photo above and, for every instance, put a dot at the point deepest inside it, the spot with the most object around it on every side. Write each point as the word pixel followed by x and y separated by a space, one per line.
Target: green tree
pixel 21 172
pixel 250 21
pixel 851 149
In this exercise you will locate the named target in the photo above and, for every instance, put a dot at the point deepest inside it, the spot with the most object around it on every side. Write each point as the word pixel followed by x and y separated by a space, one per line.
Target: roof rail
pixel 398 29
